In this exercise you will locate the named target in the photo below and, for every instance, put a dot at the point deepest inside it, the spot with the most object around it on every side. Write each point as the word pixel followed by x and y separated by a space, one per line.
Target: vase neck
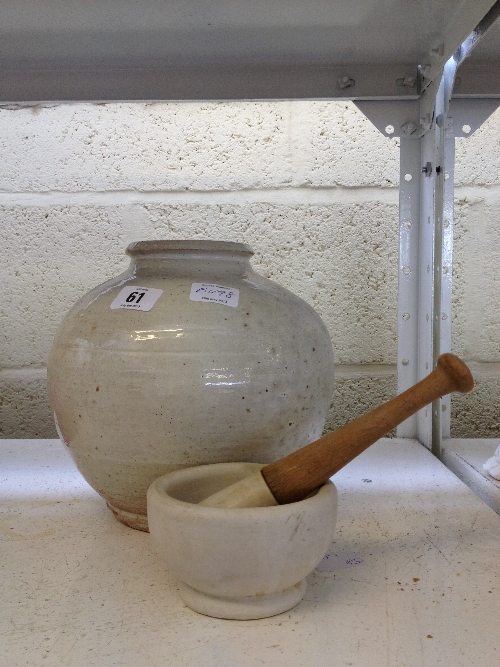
pixel 190 258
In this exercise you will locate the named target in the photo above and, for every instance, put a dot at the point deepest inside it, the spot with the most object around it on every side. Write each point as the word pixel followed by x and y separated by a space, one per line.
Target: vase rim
pixel 160 246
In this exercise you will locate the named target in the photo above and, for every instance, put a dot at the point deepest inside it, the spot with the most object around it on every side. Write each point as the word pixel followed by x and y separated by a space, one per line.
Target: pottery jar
pixel 187 358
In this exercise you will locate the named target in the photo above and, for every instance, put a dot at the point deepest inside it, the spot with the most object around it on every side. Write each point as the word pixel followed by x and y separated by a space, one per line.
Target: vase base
pixel 243 608
pixel 136 521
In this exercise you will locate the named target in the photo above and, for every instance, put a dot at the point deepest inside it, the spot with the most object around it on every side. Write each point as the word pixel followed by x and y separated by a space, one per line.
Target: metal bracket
pixel 393 118
pixel 467 115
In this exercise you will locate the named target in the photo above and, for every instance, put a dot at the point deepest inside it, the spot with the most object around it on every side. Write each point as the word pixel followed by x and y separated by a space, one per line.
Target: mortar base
pixel 244 608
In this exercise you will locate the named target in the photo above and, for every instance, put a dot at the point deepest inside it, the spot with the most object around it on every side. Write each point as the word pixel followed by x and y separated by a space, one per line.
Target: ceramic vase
pixel 189 357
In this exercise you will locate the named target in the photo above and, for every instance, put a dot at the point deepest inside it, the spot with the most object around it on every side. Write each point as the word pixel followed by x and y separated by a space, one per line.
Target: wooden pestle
pixel 295 476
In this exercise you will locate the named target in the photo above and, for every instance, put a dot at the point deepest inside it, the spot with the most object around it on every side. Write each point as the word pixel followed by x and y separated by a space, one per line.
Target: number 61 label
pixel 133 297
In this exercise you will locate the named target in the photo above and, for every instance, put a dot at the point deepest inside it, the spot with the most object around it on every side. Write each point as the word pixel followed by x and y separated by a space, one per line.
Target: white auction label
pixel 209 293
pixel 133 297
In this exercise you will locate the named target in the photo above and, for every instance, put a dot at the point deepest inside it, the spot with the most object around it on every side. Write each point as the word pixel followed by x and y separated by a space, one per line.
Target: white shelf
pixel 465 457
pixel 82 589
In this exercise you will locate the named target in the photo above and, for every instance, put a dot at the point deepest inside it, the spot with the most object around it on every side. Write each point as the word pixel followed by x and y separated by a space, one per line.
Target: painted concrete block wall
pixel 311 186
pixel 476 280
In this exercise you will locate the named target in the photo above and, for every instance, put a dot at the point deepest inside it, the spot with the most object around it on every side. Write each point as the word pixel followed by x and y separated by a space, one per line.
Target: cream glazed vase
pixel 187 358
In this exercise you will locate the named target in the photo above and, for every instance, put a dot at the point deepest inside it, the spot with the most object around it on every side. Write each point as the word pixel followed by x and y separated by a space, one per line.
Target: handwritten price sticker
pixel 136 298
pixel 209 293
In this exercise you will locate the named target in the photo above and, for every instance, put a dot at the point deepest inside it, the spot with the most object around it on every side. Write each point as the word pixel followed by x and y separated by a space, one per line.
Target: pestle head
pixel 460 376
pixel 252 491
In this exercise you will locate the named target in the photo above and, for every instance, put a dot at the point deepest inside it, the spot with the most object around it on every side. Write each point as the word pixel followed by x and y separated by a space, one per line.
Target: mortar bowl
pixel 243 563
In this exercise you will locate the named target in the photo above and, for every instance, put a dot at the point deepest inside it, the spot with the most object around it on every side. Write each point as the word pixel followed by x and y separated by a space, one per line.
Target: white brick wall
pixel 311 186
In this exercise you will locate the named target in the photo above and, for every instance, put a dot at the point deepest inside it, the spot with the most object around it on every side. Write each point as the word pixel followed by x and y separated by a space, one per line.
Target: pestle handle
pixel 295 476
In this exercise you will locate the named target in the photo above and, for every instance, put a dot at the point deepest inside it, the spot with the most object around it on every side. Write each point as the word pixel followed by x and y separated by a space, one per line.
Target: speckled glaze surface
pixel 139 393
pixel 242 563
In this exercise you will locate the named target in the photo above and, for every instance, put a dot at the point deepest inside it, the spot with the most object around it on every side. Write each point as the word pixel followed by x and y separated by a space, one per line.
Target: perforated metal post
pixel 408 267
pixel 447 262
